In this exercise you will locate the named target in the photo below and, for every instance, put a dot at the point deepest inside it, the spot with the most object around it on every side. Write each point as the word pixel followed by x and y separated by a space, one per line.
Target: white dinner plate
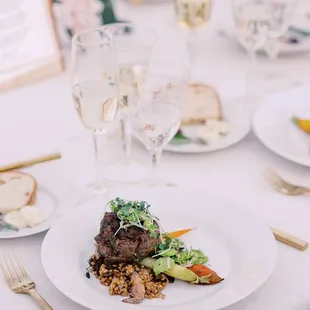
pixel 240 248
pixel 274 127
pixel 235 112
pixel 47 202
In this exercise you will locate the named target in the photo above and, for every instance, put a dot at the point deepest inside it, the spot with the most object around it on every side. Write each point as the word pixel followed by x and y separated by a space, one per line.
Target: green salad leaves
pixel 181 255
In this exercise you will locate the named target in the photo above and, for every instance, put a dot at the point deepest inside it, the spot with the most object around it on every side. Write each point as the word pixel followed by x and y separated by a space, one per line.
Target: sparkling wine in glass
pixel 157 117
pixel 192 14
pixel 95 90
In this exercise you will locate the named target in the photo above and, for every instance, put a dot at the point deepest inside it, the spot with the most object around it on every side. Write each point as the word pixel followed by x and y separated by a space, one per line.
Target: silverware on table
pixel 30 162
pixel 19 281
pixel 290 240
pixel 283 186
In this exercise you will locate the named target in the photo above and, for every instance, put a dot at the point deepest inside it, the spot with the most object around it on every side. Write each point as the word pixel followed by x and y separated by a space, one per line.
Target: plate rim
pixel 235 100
pixel 201 305
pixel 258 132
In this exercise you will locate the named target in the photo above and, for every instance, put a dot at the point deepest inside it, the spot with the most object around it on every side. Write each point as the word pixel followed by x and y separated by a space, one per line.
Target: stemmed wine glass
pixel 134 44
pixel 261 22
pixel 157 117
pixel 252 18
pixel 282 12
pixel 95 79
pixel 193 15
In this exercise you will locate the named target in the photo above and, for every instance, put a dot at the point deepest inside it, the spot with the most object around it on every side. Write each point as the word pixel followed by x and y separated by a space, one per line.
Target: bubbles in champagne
pixel 193 13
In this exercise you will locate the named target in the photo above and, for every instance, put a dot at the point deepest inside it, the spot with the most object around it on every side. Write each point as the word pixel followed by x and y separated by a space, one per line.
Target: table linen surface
pixel 40 118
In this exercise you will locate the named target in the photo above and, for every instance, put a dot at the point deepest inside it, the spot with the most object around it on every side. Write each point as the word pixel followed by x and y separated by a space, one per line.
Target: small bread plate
pixel 235 115
pixel 275 126
pixel 244 260
pixel 47 203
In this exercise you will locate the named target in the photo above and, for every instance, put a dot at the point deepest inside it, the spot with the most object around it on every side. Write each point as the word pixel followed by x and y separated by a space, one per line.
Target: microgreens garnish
pixel 177 250
pixel 135 213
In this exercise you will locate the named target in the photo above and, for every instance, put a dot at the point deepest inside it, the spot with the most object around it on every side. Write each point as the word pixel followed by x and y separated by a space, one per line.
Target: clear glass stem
pixel 272 48
pixel 126 138
pixel 99 172
pixel 156 155
pixel 192 44
pixel 251 73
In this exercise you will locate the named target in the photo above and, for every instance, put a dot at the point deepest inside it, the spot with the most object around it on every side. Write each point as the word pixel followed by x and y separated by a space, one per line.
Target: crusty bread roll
pixel 202 102
pixel 17 190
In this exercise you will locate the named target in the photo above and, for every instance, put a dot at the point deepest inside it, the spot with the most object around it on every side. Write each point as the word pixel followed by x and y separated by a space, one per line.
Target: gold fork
pixel 19 281
pixel 283 186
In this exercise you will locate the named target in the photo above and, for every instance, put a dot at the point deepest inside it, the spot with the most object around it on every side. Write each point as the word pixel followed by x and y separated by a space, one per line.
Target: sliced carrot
pixel 178 233
pixel 202 271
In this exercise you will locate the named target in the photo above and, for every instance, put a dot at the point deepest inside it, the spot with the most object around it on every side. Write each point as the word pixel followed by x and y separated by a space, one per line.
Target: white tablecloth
pixel 40 118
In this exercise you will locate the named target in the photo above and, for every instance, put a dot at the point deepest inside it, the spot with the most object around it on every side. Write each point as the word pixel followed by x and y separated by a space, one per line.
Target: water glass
pixel 158 115
pixel 134 44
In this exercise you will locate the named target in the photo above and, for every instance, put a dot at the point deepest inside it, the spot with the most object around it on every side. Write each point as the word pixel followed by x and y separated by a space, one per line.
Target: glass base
pixel 93 192
pixel 127 173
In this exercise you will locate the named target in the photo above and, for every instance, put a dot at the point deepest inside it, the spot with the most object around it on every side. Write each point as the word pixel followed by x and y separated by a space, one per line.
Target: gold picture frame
pixel 42 54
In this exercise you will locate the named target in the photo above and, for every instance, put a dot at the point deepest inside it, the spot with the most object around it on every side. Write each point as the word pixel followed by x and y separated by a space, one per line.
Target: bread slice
pixel 202 102
pixel 17 190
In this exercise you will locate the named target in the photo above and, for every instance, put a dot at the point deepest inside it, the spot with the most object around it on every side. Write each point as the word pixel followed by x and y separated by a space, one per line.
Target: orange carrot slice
pixel 178 233
pixel 204 272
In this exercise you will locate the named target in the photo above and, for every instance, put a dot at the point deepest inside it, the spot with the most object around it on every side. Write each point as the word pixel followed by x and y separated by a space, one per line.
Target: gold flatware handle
pixel 290 240
pixel 39 299
pixel 30 162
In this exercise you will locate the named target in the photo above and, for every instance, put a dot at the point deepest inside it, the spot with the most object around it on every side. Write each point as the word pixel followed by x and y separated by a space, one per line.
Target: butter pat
pixel 33 215
pixel 16 219
pixel 213 129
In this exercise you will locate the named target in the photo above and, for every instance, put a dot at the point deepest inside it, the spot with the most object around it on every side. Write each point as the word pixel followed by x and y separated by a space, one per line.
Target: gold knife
pixel 30 162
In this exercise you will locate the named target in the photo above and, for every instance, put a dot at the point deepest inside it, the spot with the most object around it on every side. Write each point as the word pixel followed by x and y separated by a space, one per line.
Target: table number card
pixel 28 42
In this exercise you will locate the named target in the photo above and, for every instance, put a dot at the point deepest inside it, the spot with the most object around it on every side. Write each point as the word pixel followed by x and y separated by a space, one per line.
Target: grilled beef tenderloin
pixel 132 244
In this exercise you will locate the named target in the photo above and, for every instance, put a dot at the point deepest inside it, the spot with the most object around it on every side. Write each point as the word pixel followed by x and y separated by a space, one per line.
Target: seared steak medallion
pixel 128 245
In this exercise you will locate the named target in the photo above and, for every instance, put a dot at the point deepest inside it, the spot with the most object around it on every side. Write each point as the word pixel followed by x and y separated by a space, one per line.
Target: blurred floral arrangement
pixel 81 14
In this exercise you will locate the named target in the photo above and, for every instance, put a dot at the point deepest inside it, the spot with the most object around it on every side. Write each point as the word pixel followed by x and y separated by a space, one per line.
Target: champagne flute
pixel 157 117
pixel 192 14
pixel 134 44
pixel 94 78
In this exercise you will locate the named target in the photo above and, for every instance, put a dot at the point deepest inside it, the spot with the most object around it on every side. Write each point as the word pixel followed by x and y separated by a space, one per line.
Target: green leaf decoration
pixel 179 139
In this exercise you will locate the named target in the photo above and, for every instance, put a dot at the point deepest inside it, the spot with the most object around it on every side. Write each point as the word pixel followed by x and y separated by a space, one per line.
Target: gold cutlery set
pixel 19 281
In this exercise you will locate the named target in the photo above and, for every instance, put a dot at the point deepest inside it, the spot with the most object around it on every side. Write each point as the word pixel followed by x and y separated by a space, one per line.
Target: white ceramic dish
pixel 274 127
pixel 240 248
pixel 47 202
pixel 236 113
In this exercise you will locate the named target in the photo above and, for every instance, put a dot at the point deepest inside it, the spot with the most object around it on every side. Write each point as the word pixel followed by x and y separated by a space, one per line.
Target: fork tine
pixel 13 270
pixel 9 269
pixel 21 268
pixel 5 272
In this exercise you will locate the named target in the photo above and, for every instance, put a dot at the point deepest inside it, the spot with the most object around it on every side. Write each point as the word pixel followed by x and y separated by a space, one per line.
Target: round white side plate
pixel 274 127
pixel 240 248
pixel 47 202
pixel 236 113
